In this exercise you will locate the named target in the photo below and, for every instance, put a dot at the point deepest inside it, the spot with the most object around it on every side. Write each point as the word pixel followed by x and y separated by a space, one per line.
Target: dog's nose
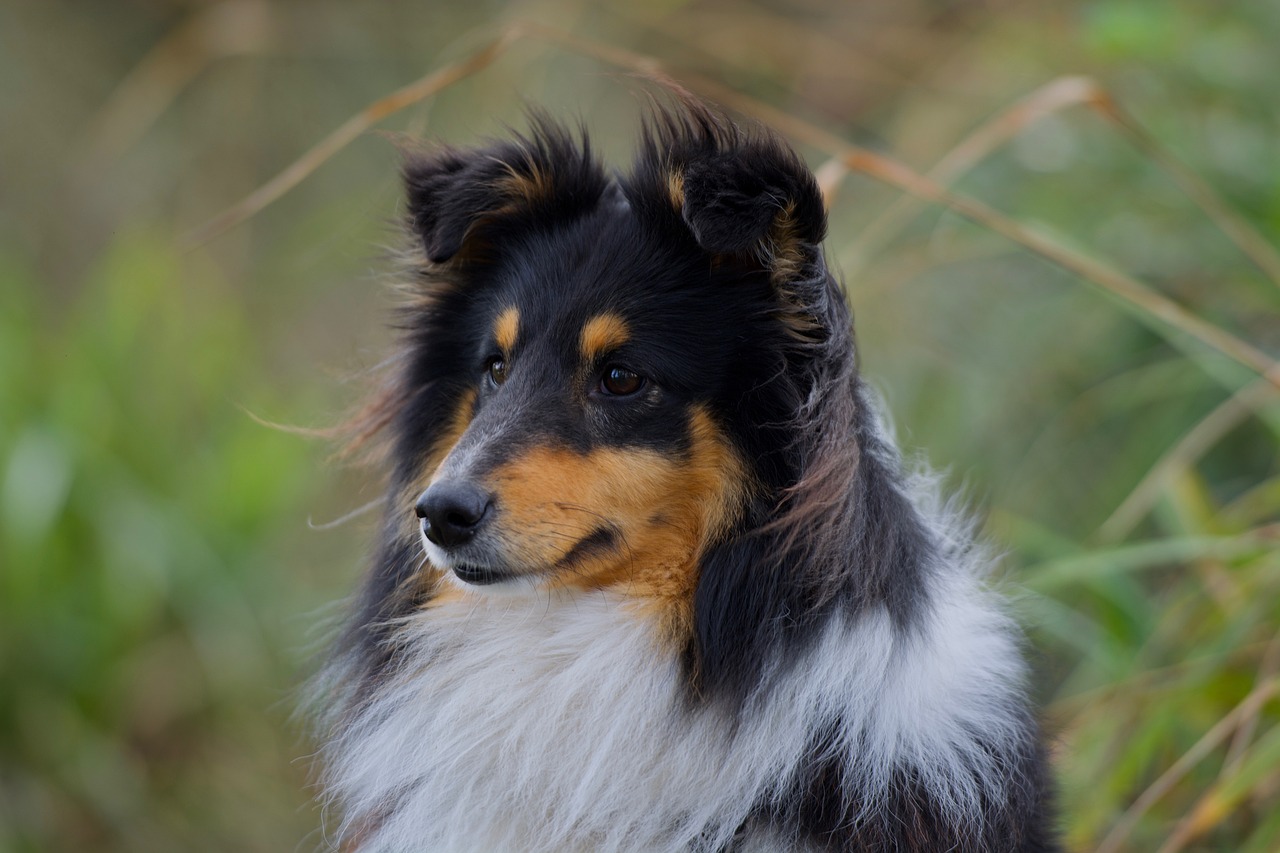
pixel 452 512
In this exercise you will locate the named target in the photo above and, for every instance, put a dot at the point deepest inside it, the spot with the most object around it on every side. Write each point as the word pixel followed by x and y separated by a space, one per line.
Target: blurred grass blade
pixel 1267 670
pixel 653 68
pixel 1207 743
pixel 1221 799
pixel 362 121
pixel 1056 574
pixel 1194 444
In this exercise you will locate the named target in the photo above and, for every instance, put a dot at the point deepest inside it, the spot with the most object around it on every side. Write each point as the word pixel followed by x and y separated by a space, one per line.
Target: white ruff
pixel 528 724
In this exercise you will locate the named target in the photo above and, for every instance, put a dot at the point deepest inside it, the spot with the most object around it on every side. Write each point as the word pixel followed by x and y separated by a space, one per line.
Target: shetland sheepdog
pixel 652 575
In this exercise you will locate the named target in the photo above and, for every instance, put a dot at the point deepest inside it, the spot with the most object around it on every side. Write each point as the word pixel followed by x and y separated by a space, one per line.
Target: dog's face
pixel 597 361
pixel 586 450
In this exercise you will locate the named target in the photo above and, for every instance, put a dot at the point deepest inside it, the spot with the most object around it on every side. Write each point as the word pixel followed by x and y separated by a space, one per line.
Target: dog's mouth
pixel 473 571
pixel 480 575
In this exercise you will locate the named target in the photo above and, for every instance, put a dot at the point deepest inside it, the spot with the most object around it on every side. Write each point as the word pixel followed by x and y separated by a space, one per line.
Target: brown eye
pixel 620 382
pixel 497 370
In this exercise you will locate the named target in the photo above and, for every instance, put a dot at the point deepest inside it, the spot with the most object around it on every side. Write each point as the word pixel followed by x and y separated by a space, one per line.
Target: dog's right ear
pixel 460 201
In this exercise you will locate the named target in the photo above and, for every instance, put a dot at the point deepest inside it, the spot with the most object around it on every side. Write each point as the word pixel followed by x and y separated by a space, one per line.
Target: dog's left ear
pixel 745 197
pixel 757 200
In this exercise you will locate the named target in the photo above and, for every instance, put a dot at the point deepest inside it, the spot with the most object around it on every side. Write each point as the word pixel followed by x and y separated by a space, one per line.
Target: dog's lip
pixel 480 575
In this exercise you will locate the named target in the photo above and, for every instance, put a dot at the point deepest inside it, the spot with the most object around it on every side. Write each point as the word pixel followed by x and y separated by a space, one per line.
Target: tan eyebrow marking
pixel 505 328
pixel 602 333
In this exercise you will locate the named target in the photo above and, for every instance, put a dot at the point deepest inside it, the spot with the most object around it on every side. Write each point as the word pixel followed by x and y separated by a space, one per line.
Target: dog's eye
pixel 497 370
pixel 620 382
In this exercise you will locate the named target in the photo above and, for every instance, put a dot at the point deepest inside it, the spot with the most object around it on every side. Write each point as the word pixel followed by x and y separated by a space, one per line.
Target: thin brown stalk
pixel 649 66
pixel 1150 304
pixel 142 96
pixel 362 121
pixel 1050 98
pixel 1194 444
pixel 1211 807
pixel 1170 777
pixel 1055 96
pixel 1268 669
pixel 790 40
pixel 829 177
pixel 1208 810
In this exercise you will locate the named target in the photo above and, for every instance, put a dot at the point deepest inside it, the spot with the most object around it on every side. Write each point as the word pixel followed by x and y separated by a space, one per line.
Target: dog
pixel 653 576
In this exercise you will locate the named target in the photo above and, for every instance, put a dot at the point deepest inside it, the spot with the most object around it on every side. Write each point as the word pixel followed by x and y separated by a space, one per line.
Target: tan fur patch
pixel 445 593
pixel 601 334
pixel 784 254
pixel 660 514
pixel 675 189
pixel 505 329
pixel 525 187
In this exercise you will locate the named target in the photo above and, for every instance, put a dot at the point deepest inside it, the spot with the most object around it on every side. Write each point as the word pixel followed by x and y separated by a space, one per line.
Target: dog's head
pixel 603 375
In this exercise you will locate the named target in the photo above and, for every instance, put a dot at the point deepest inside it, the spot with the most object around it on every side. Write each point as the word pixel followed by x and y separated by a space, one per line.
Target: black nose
pixel 452 512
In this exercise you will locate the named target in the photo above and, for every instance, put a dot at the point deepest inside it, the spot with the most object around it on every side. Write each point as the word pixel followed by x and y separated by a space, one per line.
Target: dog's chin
pixel 490 582
pixel 473 575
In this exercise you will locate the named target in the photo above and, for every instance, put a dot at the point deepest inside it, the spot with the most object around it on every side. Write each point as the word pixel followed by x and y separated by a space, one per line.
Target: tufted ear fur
pixel 460 201
pixel 760 201
pixel 743 194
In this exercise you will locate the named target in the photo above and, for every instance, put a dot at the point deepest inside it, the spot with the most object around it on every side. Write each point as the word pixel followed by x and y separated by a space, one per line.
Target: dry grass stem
pixel 1150 304
pixel 1054 96
pixel 1211 739
pixel 362 121
pixel 1268 669
pixel 142 96
pixel 1194 444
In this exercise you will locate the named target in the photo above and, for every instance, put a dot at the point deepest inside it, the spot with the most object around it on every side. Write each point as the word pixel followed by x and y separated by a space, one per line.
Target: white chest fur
pixel 529 725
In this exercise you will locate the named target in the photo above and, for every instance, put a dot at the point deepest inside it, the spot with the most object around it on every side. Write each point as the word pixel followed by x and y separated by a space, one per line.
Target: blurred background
pixel 168 573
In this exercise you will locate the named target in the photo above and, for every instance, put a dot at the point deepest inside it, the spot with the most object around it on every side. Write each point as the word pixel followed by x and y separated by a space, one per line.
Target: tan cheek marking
pixel 601 334
pixel 505 329
pixel 663 511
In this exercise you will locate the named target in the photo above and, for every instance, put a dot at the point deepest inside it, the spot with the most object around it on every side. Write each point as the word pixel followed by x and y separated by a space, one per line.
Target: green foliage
pixel 140 523
pixel 161 594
